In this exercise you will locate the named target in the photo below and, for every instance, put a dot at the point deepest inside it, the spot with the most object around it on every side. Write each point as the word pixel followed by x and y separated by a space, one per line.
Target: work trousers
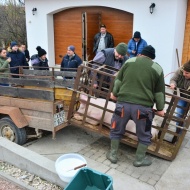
pixel 141 115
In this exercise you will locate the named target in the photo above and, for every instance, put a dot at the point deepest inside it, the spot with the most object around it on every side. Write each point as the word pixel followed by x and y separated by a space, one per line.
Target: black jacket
pixel 109 41
pixel 37 63
pixel 17 59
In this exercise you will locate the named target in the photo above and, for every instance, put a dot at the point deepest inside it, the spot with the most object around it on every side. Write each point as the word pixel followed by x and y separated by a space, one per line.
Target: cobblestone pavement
pixel 150 175
pixel 7 185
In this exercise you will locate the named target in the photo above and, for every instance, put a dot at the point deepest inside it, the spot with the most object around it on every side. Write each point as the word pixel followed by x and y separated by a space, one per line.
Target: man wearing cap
pixel 114 57
pixel 138 86
pixel 17 59
pixel 181 79
pixel 136 45
pixel 102 40
pixel 71 60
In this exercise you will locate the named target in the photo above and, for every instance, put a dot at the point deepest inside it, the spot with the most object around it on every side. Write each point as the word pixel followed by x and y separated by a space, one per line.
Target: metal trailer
pixel 37 99
pixel 168 141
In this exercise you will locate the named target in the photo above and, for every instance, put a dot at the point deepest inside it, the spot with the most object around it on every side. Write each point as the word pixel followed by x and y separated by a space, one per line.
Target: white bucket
pixel 65 165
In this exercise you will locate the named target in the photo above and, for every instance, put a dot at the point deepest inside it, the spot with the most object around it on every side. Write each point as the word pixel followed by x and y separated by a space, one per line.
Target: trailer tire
pixel 10 131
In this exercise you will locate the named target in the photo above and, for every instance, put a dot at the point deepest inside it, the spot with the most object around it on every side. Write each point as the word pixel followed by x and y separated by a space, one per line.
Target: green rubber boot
pixel 141 159
pixel 112 154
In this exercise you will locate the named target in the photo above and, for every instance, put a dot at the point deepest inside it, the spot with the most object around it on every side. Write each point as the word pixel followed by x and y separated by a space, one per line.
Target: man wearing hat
pixel 181 79
pixel 39 61
pixel 138 86
pixel 71 60
pixel 17 59
pixel 102 40
pixel 114 57
pixel 136 45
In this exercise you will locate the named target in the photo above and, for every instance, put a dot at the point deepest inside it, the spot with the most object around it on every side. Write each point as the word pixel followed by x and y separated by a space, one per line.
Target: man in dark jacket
pixel 71 60
pixel 17 59
pixel 103 40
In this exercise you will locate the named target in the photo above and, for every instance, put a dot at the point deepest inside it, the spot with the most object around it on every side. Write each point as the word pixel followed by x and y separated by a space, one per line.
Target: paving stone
pixel 151 182
pixel 136 175
pixel 114 165
pixel 88 154
pixel 101 159
pixel 144 177
pixel 128 172
pixel 107 162
pixel 120 168
pixel 156 177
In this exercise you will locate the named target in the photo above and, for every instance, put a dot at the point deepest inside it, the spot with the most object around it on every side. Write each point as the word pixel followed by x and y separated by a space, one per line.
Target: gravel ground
pixel 7 185
pixel 24 177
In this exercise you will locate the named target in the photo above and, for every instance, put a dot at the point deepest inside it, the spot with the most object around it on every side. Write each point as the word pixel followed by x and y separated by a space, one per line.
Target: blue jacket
pixel 74 62
pixel 132 46
pixel 17 59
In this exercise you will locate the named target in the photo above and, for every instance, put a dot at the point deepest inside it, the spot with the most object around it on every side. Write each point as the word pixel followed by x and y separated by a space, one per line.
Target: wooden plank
pixel 40 123
pixel 37 72
pixel 46 106
pixel 65 73
pixel 35 113
pixel 64 83
pixel 28 82
pixel 26 93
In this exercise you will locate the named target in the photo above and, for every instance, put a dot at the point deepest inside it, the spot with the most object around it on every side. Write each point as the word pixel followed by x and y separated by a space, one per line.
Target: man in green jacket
pixel 138 85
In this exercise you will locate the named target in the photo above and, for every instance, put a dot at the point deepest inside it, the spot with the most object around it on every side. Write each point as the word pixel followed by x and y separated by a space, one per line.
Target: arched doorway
pixel 77 26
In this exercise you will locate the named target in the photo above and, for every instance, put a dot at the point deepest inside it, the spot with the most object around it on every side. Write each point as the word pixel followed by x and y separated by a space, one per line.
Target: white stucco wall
pixel 164 29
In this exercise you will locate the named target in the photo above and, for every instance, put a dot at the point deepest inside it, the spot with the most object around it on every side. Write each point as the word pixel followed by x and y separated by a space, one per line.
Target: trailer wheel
pixel 10 131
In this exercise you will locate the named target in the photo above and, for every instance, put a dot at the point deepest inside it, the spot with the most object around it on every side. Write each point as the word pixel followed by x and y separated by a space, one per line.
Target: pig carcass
pixel 95 112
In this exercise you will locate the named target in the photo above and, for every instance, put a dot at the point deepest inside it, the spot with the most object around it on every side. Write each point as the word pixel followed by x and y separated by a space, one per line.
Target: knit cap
pixel 137 35
pixel 13 43
pixel 186 66
pixel 72 48
pixel 149 51
pixel 41 51
pixel 121 48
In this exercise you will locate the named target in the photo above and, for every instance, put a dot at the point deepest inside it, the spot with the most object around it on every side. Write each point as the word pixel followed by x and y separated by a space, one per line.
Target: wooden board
pixel 28 82
pixel 26 93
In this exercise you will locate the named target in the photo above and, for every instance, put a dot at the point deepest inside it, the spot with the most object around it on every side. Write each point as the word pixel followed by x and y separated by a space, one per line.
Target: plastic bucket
pixel 65 165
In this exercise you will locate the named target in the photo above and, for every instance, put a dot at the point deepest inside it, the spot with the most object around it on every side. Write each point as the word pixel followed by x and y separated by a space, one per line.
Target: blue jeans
pixel 180 112
pixel 4 84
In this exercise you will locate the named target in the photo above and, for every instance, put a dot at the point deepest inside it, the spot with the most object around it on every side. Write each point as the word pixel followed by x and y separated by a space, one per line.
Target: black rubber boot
pixel 112 154
pixel 141 159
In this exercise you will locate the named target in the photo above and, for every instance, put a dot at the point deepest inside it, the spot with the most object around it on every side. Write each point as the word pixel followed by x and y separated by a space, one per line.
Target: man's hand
pixel 172 86
pixel 112 96
pixel 160 113
pixel 95 85
pixel 133 51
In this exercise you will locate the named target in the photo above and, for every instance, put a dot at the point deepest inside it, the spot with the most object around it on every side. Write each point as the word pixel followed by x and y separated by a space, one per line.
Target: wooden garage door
pixel 68 28
pixel 186 43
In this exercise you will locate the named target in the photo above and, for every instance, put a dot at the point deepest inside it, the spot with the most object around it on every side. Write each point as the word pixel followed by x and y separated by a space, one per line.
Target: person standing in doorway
pixel 102 40
pixel 138 86
pixel 136 45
